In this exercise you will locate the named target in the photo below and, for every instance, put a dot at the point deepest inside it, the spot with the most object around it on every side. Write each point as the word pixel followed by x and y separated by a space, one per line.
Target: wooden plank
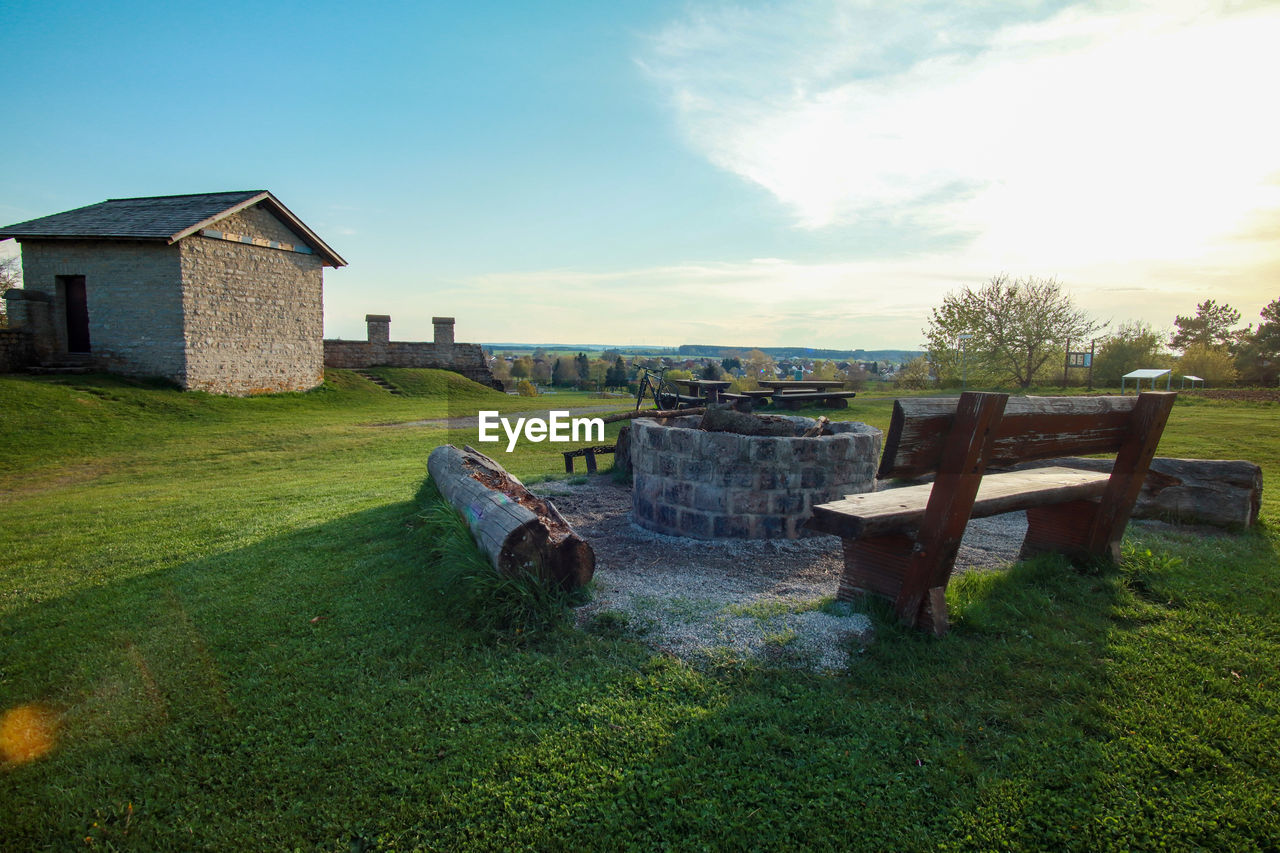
pixel 878 513
pixel 965 456
pixel 1031 428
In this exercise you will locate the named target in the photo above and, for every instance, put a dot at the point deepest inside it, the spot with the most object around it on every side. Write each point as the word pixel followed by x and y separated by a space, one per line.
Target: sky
pixel 811 173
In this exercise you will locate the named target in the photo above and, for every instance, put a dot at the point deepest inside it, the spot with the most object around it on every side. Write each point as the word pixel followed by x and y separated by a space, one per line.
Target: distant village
pixel 543 370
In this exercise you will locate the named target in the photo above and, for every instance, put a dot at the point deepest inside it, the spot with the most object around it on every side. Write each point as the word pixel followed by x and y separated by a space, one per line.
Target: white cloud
pixel 1100 134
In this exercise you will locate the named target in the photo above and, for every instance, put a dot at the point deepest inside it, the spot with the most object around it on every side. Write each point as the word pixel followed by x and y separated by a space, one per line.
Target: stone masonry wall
pixel 253 315
pixel 134 298
pixel 711 485
pixel 468 359
pixel 15 350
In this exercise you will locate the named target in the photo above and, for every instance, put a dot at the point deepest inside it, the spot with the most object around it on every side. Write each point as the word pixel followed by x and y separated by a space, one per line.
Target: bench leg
pixel 591 461
pixel 568 463
pixel 876 566
pixel 1064 529
pixel 836 403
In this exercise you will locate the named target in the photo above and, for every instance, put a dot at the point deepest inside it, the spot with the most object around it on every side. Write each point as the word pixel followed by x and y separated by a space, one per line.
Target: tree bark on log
pixel 1192 491
pixel 519 532
pixel 727 419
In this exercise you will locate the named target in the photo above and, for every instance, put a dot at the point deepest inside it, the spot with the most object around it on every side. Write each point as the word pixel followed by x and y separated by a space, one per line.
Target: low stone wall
pixel 467 359
pixel 711 485
pixel 15 350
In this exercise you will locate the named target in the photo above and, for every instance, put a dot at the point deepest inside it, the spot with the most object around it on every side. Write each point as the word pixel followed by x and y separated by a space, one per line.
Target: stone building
pixel 380 351
pixel 217 292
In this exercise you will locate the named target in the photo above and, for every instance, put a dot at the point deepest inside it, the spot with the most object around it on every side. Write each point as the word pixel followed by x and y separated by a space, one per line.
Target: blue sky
pixel 808 173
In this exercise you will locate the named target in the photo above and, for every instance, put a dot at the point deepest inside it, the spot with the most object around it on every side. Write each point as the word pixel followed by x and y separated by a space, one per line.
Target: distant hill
pixel 891 355
pixel 894 356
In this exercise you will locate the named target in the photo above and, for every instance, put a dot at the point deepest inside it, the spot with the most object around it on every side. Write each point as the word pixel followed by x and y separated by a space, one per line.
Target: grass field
pixel 225 624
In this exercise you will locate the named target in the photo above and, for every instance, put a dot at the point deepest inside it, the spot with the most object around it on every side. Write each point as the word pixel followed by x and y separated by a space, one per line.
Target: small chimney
pixel 379 328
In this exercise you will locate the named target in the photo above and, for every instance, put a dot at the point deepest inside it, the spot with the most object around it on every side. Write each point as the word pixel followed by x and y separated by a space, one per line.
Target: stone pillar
pixel 444 337
pixel 379 328
pixel 32 311
pixel 379 337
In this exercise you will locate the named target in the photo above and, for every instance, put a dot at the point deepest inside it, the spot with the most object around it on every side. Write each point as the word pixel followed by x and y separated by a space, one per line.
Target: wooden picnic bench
pixel 589 453
pixel 901 543
pixel 830 399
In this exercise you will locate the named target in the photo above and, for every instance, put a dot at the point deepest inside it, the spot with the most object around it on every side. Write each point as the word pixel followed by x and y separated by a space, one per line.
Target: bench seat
pixel 874 513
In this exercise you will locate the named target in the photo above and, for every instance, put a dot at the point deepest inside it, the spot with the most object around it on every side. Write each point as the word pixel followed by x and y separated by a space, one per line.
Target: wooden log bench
pixel 901 543
pixel 830 399
pixel 588 453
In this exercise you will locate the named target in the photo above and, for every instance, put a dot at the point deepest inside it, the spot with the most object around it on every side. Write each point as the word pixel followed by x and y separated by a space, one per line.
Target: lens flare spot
pixel 26 733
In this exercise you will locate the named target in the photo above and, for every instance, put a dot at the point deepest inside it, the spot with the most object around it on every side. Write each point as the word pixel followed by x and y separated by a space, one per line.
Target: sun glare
pixel 26 733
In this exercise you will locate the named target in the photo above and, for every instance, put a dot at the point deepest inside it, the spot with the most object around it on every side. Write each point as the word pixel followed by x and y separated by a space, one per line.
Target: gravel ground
pixel 721 601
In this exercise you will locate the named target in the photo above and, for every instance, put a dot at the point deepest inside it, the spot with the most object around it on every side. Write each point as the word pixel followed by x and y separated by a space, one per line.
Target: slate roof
pixel 168 218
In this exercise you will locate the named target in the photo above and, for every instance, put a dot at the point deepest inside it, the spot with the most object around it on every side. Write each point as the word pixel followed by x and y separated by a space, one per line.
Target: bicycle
pixel 653 383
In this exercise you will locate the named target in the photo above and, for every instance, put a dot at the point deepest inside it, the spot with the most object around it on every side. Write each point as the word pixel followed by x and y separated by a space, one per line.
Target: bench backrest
pixel 1031 428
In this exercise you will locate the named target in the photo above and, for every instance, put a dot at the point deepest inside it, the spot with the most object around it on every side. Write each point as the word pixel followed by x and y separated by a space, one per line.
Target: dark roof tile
pixel 158 217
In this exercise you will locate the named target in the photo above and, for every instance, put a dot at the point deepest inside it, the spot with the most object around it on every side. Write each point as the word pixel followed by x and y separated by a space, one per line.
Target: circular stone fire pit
pixel 713 485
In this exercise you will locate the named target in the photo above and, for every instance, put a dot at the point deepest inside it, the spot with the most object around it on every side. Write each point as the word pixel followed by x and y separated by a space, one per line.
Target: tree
pixel 1132 346
pixel 758 365
pixel 823 370
pixel 1258 357
pixel 711 370
pixel 10 276
pixel 564 371
pixel 1017 327
pixel 583 365
pixel 1213 364
pixel 617 375
pixel 1210 327
pixel 730 363
pixel 521 367
pixel 855 377
pixel 914 375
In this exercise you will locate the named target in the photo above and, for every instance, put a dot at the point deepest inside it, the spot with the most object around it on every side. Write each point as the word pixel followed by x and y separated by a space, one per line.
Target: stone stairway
pixel 380 382
pixel 65 364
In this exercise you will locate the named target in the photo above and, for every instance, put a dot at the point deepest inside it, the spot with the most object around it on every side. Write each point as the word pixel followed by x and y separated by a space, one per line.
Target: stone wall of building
pixel 253 315
pixel 713 485
pixel 134 296
pixel 15 350
pixel 380 351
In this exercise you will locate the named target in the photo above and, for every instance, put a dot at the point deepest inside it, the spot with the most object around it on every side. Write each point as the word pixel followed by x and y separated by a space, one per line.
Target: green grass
pixel 241 632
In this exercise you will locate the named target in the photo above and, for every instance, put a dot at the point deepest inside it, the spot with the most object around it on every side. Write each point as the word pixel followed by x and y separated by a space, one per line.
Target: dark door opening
pixel 77 313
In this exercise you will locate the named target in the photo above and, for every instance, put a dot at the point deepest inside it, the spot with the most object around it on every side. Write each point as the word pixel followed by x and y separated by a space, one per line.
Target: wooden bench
pixel 740 402
pixel 901 544
pixel 589 453
pixel 830 399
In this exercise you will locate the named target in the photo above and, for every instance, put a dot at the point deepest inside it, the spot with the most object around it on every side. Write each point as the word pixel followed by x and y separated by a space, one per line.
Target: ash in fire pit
pixel 711 485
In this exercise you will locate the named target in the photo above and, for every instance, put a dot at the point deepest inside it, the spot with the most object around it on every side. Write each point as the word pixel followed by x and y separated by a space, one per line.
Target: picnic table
pixel 791 393
pixel 708 389
pixel 784 385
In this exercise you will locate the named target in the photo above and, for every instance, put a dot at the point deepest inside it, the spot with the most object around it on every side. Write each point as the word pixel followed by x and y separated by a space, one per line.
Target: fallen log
pixel 518 531
pixel 1191 491
pixel 653 413
pixel 728 419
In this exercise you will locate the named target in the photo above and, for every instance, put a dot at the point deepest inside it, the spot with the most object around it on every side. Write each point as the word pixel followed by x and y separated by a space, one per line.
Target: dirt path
pixel 473 421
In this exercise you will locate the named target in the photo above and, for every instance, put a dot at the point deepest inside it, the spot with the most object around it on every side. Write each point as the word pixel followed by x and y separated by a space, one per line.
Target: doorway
pixel 77 303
